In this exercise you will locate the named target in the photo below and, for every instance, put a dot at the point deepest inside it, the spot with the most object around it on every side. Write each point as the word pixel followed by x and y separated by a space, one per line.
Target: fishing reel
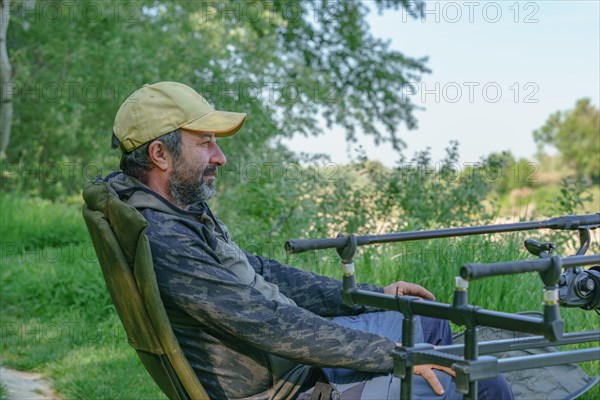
pixel 577 287
pixel 580 287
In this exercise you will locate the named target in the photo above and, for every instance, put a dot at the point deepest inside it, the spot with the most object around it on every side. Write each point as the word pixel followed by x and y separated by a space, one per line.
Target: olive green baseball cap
pixel 160 108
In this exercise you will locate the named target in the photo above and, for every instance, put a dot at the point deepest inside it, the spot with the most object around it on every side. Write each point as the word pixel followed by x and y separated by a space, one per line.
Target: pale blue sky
pixel 542 55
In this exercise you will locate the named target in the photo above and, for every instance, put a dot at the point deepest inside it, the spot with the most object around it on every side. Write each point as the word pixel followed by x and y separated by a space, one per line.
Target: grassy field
pixel 58 319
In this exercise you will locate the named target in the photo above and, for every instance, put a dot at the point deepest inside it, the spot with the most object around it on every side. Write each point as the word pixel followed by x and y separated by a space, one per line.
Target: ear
pixel 159 155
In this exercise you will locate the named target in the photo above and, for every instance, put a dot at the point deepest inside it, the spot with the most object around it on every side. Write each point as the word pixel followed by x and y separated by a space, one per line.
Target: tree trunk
pixel 6 107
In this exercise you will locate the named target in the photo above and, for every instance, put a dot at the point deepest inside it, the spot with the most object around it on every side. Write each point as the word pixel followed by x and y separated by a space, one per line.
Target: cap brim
pixel 221 123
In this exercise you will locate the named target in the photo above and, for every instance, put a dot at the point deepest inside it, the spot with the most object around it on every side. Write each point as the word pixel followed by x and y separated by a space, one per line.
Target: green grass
pixel 2 392
pixel 57 317
pixel 32 224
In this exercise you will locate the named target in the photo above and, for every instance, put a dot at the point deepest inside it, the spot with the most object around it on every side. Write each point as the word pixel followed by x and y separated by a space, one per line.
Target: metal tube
pixel 566 222
pixel 473 271
pixel 408 340
pixel 471 353
pixel 531 342
pixel 515 322
pixel 494 319
pixel 548 359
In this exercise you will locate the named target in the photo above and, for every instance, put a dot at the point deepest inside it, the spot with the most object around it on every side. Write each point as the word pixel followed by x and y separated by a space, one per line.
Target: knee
pixel 495 388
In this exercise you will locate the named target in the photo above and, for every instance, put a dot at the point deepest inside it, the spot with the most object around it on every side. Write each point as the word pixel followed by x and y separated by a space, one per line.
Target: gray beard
pixel 186 191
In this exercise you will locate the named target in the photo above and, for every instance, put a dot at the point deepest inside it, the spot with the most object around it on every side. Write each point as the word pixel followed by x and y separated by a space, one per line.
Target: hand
pixel 408 289
pixel 426 371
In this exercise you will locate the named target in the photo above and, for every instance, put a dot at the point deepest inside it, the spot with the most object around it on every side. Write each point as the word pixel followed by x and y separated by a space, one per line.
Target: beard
pixel 188 184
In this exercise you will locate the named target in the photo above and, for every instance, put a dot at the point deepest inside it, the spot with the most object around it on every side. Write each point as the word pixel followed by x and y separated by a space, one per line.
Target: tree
pixel 288 64
pixel 575 134
pixel 6 109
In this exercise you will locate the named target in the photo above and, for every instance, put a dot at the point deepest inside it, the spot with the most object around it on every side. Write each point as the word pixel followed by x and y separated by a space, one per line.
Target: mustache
pixel 210 169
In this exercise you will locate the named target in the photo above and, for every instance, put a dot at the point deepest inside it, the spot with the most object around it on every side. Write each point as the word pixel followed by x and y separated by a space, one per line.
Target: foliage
pixel 513 174
pixel 442 193
pixel 287 64
pixel 416 194
pixel 576 135
pixel 572 199
pixel 278 200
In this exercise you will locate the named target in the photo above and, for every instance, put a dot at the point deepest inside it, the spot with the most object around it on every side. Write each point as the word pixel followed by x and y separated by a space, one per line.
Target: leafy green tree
pixel 288 64
pixel 575 134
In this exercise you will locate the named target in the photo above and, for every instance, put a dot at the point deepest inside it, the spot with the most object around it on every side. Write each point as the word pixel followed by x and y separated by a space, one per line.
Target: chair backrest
pixel 118 232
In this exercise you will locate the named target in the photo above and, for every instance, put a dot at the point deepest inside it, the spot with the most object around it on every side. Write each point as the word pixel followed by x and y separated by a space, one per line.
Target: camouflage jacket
pixel 249 326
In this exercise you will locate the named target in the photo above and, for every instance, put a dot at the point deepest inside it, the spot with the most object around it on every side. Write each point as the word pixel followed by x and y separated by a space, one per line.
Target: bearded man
pixel 251 328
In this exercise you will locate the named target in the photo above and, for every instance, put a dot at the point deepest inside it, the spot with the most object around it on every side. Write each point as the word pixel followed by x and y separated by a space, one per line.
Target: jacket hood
pixel 140 196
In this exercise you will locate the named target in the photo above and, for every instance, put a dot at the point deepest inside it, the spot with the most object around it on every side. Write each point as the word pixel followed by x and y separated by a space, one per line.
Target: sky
pixel 499 69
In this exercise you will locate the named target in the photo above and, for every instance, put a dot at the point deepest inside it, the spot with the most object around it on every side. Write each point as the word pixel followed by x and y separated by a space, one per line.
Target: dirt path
pixel 26 385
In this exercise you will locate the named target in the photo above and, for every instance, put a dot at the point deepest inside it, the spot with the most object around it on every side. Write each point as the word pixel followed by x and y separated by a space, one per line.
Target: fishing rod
pixel 568 222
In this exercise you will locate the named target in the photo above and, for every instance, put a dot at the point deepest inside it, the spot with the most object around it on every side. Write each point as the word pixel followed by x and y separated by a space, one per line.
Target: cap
pixel 160 108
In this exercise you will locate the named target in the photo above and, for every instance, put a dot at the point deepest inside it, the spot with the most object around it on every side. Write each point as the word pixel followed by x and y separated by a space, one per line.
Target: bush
pixel 364 198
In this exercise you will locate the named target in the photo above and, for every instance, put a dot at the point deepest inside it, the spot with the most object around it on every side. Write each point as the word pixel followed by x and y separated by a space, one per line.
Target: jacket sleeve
pixel 191 277
pixel 320 294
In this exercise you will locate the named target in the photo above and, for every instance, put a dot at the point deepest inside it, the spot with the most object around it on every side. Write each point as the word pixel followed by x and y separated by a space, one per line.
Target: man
pixel 249 326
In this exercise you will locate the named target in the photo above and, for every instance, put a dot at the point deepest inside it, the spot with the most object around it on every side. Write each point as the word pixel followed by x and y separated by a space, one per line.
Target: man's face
pixel 193 177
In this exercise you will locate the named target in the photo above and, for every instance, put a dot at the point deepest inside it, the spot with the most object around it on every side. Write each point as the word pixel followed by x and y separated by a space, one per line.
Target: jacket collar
pixel 140 196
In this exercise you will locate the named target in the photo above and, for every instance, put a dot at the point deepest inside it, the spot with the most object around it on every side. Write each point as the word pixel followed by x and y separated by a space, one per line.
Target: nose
pixel 218 157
